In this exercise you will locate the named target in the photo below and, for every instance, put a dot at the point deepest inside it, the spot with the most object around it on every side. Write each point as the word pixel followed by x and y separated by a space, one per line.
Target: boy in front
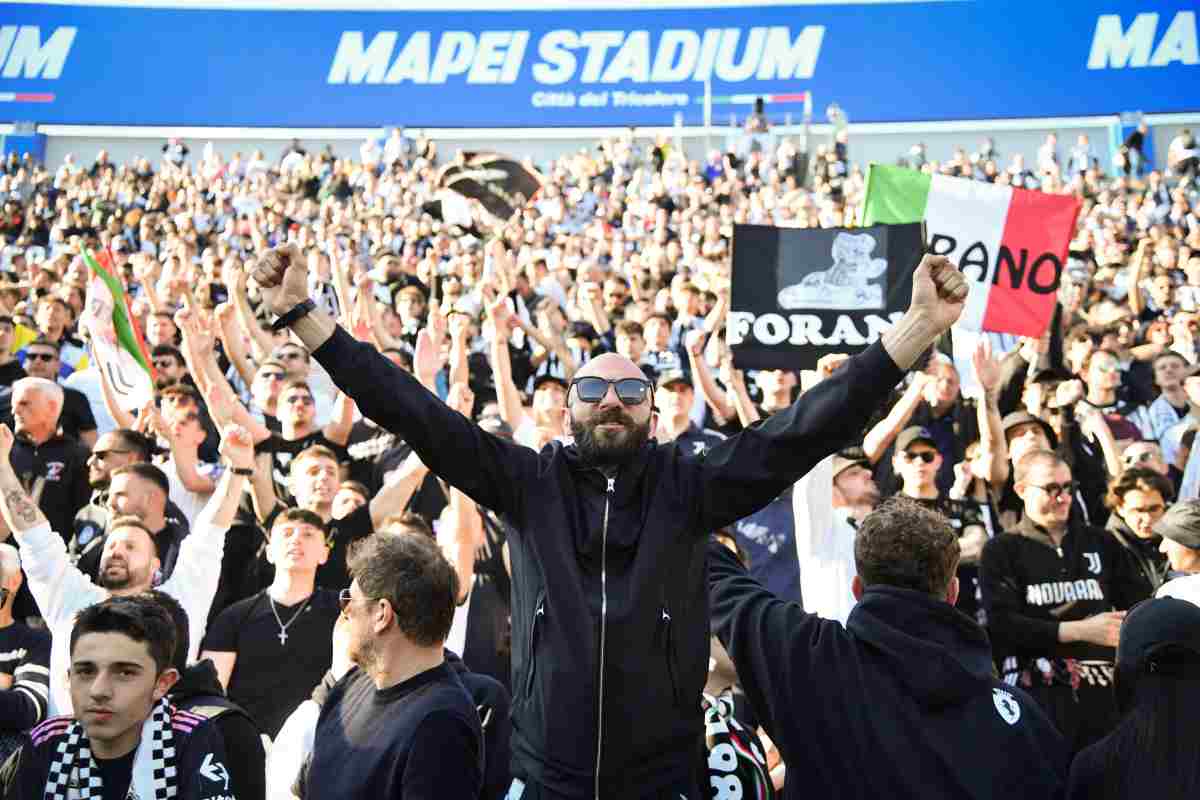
pixel 125 741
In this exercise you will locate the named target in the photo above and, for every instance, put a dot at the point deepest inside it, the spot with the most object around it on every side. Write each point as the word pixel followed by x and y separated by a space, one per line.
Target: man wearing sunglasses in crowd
pixel 76 420
pixel 1055 591
pixel 916 461
pixel 610 599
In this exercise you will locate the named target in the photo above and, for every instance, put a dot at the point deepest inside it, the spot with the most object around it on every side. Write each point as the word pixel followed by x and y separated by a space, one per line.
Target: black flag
pixel 501 183
pixel 801 293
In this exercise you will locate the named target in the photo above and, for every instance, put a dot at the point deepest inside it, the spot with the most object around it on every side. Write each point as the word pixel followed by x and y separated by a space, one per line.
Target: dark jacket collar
pixel 939 653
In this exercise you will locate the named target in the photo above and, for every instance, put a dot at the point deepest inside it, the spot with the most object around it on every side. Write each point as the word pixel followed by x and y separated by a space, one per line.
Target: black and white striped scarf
pixel 74 768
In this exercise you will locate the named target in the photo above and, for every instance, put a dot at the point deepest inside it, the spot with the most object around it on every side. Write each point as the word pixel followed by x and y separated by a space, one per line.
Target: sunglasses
pixel 100 455
pixel 630 391
pixel 925 455
pixel 1056 490
pixel 47 357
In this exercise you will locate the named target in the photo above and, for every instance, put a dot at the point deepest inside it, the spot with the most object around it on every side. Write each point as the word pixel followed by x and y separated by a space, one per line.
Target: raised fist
pixel 282 276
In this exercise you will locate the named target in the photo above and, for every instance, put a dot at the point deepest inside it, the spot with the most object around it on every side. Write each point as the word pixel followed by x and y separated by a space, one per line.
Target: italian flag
pixel 1011 244
pixel 116 343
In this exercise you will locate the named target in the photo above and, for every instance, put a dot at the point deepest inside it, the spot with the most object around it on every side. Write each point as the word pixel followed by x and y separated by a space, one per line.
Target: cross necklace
pixel 282 627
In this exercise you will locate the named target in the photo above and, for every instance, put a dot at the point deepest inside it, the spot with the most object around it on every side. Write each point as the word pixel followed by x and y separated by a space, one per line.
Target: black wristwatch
pixel 243 471
pixel 299 310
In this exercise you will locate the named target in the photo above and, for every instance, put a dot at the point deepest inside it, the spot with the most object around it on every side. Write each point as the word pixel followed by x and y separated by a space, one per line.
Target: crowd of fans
pixel 251 492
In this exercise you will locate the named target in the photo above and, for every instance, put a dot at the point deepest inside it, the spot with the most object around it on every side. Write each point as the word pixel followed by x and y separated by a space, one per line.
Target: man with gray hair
pixel 52 468
pixel 24 661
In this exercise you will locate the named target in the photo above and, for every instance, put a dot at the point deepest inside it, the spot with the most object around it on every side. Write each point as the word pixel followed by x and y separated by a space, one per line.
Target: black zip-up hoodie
pixel 1030 586
pixel 609 601
pixel 901 703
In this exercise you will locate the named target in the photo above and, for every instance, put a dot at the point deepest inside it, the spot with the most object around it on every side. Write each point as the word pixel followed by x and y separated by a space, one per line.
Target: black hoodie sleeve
pixel 487 468
pixel 747 471
pixel 771 643
pixel 244 755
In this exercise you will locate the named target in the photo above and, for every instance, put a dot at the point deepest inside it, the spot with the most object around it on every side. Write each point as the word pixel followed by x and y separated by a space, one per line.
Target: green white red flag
pixel 116 343
pixel 1011 244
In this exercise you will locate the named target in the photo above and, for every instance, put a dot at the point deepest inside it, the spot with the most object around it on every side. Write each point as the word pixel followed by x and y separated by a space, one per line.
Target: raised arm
pixel 488 468
pixel 56 585
pixel 259 340
pixel 393 496
pixel 991 432
pixel 703 377
pixel 1141 261
pixel 765 637
pixel 507 397
pixel 881 436
pixel 745 472
pixel 235 343
pixel 459 535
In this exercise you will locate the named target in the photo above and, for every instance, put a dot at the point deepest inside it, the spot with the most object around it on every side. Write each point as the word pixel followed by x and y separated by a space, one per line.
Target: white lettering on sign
pixel 25 55
pixel 806 329
pixel 609 57
pixel 1116 47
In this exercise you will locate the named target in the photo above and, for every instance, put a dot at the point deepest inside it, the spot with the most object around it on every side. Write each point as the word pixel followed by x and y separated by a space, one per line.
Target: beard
pixel 605 448
pixel 115 579
pixel 365 654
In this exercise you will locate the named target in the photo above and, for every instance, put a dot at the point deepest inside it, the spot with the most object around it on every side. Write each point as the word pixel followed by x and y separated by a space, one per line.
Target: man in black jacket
pixel 1055 591
pixel 610 605
pixel 900 703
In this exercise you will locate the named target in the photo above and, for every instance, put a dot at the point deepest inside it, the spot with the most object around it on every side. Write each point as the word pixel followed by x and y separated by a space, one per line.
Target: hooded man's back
pixel 901 703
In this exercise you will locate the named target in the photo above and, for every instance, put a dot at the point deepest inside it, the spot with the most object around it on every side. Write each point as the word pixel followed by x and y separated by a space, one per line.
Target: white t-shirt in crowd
pixel 824 546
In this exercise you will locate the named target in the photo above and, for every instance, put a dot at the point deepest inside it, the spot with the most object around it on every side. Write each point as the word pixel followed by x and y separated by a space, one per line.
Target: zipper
pixel 612 485
pixel 538 613
pixel 666 621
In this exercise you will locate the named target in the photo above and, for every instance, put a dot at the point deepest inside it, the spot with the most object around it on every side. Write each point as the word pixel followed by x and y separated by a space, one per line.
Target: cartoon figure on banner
pixel 844 285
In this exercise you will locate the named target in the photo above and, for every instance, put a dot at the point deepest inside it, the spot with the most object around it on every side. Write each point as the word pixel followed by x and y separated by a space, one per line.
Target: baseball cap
pixel 1181 524
pixel 849 457
pixel 671 376
pixel 547 378
pixel 1024 417
pixel 1159 637
pixel 913 434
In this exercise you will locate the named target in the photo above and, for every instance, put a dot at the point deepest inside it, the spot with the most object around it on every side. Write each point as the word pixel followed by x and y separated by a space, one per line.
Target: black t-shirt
pixel 961 514
pixel 76 416
pixel 116 774
pixel 424 733
pixel 367 446
pixel 25 657
pixel 11 372
pixel 270 679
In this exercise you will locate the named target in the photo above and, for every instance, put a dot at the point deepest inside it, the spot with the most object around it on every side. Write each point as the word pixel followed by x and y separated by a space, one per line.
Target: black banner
pixel 501 183
pixel 801 293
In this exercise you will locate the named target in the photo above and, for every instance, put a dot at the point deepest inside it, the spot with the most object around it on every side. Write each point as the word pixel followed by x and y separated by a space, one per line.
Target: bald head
pixel 612 366
pixel 609 431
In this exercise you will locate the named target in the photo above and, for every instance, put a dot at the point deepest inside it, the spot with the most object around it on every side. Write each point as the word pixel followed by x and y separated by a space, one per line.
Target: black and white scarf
pixel 74 773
